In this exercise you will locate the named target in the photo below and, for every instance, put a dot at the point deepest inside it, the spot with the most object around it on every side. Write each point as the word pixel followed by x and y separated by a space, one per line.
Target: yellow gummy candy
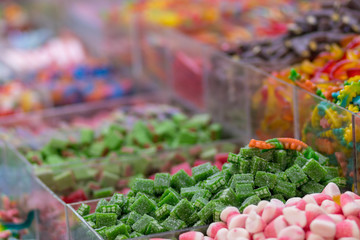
pixel 336 199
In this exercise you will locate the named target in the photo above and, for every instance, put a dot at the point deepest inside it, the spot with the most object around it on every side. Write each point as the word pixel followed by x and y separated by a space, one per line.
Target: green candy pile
pixel 174 202
pixel 144 135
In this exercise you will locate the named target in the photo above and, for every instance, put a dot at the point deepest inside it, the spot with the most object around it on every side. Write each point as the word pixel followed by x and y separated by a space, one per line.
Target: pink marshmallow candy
pixel 272 230
pixel 295 216
pixel 214 228
pixel 323 226
pixel 271 211
pixel 237 221
pixel 254 223
pixel 348 205
pixel 336 217
pixel 191 236
pixel 222 234
pixel 259 236
pixel 249 209
pixel 292 233
pixel 347 228
pixel 332 190
pixel 237 233
pixel 227 212
pixel 330 207
pixel 320 197
pixel 313 236
pixel 261 206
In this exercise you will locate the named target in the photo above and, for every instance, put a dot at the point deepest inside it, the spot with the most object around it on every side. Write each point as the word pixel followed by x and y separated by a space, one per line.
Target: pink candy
pixel 314 217
pixel 191 236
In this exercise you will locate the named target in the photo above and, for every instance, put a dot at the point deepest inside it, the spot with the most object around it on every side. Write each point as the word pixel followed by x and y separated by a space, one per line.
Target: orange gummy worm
pixel 260 144
pixel 292 143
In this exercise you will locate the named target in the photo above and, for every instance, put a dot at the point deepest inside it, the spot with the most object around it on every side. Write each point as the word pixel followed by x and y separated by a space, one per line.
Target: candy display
pixel 328 214
pixel 103 178
pixel 278 168
pixel 308 36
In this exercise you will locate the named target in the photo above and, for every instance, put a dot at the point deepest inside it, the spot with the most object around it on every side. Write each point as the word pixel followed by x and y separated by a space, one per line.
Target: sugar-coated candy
pixel 183 210
pixel 143 205
pixel 141 224
pixel 105 219
pixel 181 179
pixel 254 199
pixel 83 210
pixel 296 175
pixel 284 188
pixel 202 172
pixel 114 231
pixel 110 209
pixel 172 223
pixel 143 185
pixel 262 192
pixel 161 182
pixel 264 179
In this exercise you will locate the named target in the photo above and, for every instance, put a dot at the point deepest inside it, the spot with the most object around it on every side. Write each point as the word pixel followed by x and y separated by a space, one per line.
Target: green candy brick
pixel 134 235
pixel 105 219
pixel 312 187
pixel 113 140
pixel 241 179
pixel 244 191
pixel 170 198
pixel 118 199
pixel 258 164
pixel 168 191
pixel 154 227
pixel 208 154
pixel 161 182
pixel 296 175
pixel 90 217
pixel 189 192
pixel 324 161
pixel 103 192
pixel 262 192
pixel 340 181
pixel 193 219
pixel 163 212
pixel 206 212
pixel 83 210
pixel 233 158
pixel 101 231
pixel 215 184
pixel 228 196
pixel 263 179
pixel 273 167
pixel 219 207
pixel 202 193
pixel 202 172
pixel 199 203
pixel 143 185
pixel 101 203
pixel 280 157
pixel 287 189
pixel 282 176
pixel 248 153
pixel 331 172
pixel 116 230
pixel 143 205
pixel 141 224
pixel 122 237
pixel 181 179
pixel 183 210
pixel 314 170
pixel 132 218
pixel 97 149
pixel 110 209
pixel 91 224
pixel 172 223
pixel 64 181
pixel 254 199
pixel 108 179
pixel 301 161
pixel 199 223
pixel 86 136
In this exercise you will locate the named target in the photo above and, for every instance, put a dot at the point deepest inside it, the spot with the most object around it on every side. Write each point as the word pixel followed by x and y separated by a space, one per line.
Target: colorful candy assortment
pixel 10 214
pixel 277 168
pixel 326 215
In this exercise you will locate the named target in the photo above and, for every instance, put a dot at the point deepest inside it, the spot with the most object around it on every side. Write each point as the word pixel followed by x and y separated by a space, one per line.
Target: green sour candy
pixel 183 210
pixel 241 179
pixel 90 217
pixel 244 191
pixel 258 164
pixel 141 224
pixel 286 189
pixel 202 193
pixel 108 179
pixel 273 167
pixel 202 172
pixel 132 218
pixel 104 192
pixel 64 181
pixel 193 219
pixel 172 223
pixel 105 219
pixel 340 181
pixel 83 210
pixel 312 187
pixel 331 172
pixel 122 237
pixel 110 209
pixel 117 199
pixel 228 196
pixel 161 182
pixel 206 212
pixel 189 192
pixel 154 227
pixel 282 176
pixel 134 235
pixel 181 179
pixel 219 207
pixel 143 205
pixel 97 149
pixel 163 212
pixel 143 185
pixel 233 158
pixel 101 231
pixel 113 140
pixel 101 203
pixel 301 161
pixel 263 179
pixel 248 201
pixel 169 197
pixel 86 136
pixel 281 158
pixel 314 170
pixel 263 192
pixel 215 184
pixel 199 203
pixel 296 175
pixel 114 231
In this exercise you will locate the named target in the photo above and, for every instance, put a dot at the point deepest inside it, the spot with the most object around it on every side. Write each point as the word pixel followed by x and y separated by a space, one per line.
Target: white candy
pixel 254 223
pixel 225 213
pixel 324 226
pixel 292 233
pixel 295 216
pixel 236 233
pixel 237 221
